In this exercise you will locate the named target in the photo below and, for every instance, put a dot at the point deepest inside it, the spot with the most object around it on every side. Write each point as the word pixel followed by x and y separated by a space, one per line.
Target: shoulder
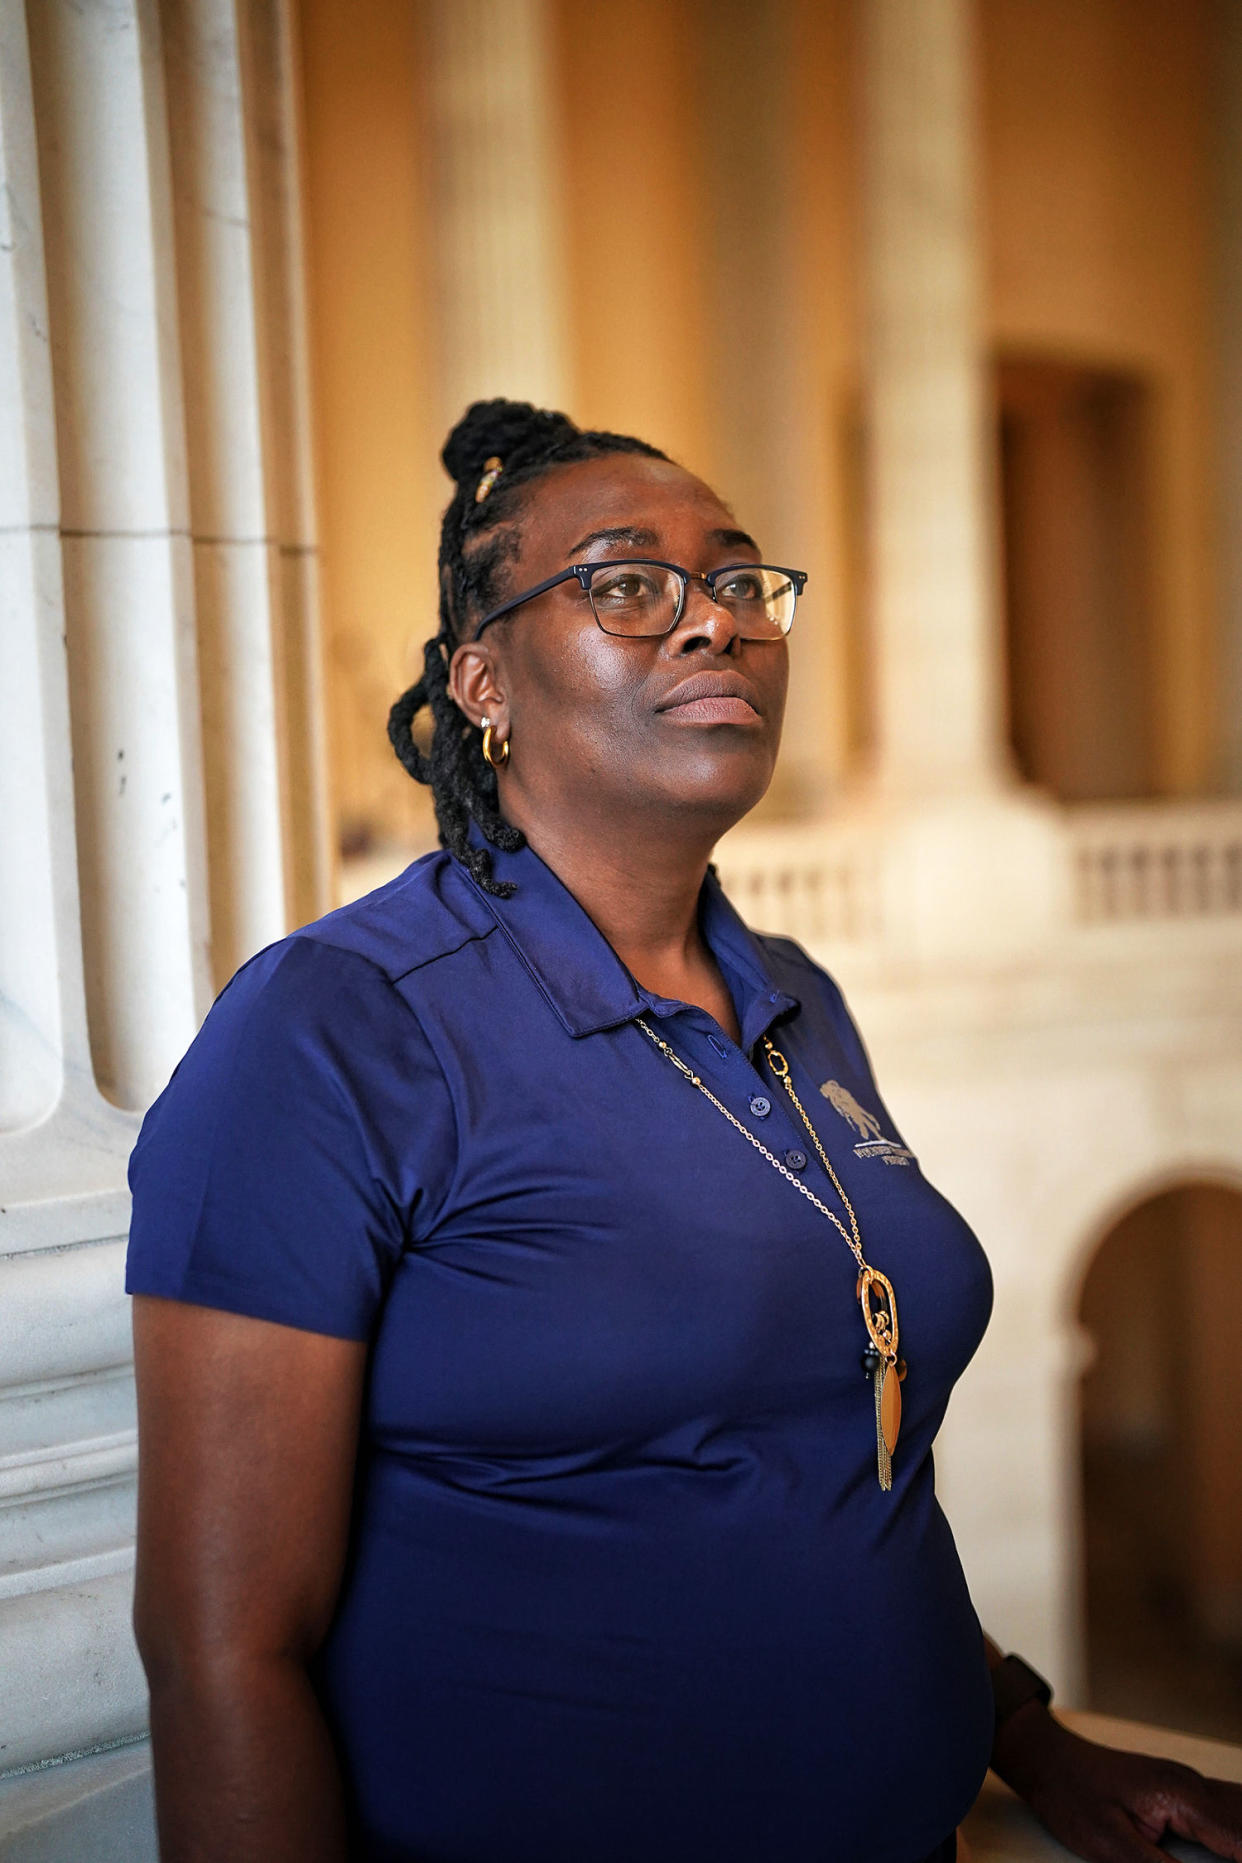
pixel 351 961
pixel 427 912
pixel 314 1049
pixel 327 1000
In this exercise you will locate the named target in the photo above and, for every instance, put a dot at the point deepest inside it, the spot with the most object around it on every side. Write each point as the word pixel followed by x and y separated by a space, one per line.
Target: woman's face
pixel 594 720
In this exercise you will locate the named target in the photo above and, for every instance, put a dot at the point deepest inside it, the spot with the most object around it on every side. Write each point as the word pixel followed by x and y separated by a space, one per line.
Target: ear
pixel 475 687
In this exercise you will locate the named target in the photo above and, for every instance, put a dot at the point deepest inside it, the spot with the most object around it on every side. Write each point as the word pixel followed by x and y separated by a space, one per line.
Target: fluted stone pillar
pixel 973 870
pixel 970 866
pixel 498 254
pixel 939 720
pixel 161 800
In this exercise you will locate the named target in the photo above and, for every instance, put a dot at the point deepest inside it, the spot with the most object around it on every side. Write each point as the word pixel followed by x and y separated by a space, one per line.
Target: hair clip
pixel 491 472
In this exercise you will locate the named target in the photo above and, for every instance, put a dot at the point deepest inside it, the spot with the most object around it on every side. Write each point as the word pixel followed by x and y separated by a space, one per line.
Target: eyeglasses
pixel 642 597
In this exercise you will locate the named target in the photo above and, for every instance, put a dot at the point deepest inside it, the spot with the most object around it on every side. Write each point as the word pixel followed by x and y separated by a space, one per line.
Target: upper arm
pixel 247 1440
pixel 305 1140
pixel 276 1183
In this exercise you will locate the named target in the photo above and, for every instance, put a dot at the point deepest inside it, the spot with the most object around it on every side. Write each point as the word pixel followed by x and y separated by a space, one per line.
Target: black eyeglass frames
pixel 644 597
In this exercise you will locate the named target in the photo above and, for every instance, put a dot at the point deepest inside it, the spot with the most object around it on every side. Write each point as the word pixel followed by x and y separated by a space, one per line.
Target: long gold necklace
pixel 875 1291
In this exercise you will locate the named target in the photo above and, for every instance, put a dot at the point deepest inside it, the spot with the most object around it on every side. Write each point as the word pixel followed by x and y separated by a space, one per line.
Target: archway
pixel 1161 1303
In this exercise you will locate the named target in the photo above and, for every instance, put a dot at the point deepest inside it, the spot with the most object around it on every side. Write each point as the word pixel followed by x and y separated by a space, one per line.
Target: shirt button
pixel 796 1160
pixel 759 1106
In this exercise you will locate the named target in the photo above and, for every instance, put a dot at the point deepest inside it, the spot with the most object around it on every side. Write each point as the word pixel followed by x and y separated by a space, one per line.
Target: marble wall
pixel 162 803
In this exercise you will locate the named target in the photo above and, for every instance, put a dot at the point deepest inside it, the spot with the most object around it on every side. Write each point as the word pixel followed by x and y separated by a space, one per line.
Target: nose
pixel 703 623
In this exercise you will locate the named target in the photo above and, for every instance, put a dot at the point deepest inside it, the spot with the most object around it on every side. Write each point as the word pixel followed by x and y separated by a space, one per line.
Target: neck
pixel 639 884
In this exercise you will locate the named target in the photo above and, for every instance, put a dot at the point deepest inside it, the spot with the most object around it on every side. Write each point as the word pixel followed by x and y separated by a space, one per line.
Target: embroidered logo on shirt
pixel 873 1144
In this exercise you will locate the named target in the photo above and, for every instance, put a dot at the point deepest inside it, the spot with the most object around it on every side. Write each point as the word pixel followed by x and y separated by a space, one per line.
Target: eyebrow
pixel 734 540
pixel 621 533
pixel 638 539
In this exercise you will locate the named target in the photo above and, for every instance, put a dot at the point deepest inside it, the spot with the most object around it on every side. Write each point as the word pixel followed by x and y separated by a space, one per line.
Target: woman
pixel 530 1278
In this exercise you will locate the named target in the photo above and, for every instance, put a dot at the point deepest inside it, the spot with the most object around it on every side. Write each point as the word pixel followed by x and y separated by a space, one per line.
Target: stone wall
pixel 162 800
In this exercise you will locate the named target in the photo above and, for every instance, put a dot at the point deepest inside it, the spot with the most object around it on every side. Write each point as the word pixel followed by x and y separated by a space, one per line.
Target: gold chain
pixel 854 1241
pixel 782 1074
pixel 875 1291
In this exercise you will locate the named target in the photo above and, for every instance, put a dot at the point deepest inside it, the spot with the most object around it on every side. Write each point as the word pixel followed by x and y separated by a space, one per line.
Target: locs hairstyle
pixel 478 537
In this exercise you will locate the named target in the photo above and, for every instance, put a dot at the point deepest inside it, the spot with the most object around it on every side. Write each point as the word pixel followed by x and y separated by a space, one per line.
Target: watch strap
pixel 1014 1683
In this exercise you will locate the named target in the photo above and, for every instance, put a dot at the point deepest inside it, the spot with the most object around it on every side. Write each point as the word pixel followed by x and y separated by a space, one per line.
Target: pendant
pixel 879 1310
pixel 890 1407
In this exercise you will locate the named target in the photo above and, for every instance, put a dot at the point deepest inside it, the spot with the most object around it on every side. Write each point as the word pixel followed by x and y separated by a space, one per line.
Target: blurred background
pixel 658 215
pixel 945 298
pixel 664 217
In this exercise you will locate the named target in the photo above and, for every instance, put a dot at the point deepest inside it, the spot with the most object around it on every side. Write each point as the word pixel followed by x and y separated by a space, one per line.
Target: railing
pixel 805 883
pixel 1131 862
pixel 819 882
pixel 1156 860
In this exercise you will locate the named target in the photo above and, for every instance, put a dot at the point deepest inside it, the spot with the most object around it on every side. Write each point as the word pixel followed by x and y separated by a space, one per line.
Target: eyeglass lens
pixel 642 598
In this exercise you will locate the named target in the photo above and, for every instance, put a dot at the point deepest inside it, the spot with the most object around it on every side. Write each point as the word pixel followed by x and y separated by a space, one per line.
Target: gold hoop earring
pixel 497 762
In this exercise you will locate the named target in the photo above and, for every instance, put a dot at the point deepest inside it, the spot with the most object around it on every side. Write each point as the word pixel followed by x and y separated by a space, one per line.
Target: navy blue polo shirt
pixel 623 1583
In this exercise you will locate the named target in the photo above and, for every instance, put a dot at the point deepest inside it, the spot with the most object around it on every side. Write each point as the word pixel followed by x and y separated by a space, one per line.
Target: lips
pixel 712 698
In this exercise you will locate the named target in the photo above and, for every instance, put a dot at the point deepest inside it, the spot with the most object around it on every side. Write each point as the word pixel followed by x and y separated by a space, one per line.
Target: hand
pixel 1109 1806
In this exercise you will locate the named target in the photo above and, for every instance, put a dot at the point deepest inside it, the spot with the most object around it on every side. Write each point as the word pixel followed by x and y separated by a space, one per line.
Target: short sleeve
pixel 306 1137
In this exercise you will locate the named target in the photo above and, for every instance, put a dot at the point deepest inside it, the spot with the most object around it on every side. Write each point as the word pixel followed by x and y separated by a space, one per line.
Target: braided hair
pixel 495 454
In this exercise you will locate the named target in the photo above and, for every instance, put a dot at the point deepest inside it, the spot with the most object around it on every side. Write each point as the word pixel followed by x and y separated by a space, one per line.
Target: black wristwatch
pixel 1014 1683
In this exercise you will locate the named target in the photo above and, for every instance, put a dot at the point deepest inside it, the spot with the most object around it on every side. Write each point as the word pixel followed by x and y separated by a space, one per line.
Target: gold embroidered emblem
pixel 842 1101
pixel 873 1143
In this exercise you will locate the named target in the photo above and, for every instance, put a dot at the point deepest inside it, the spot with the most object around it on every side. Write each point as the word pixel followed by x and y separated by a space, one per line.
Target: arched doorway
pixel 1162 1463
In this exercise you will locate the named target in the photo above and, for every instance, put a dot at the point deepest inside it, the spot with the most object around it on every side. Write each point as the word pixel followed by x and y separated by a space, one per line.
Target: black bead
pixel 871 1361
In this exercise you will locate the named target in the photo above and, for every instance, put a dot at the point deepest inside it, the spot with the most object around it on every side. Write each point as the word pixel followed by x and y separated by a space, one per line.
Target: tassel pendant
pixel 883 1457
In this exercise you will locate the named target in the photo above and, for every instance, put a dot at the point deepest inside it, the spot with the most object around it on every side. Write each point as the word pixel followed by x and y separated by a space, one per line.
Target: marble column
pixel 934 589
pixel 160 768
pixel 971 868
pixel 498 253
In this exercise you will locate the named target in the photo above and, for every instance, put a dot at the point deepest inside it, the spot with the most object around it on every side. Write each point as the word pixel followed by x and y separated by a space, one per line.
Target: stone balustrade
pixel 817 888
pixel 1124 863
pixel 1143 860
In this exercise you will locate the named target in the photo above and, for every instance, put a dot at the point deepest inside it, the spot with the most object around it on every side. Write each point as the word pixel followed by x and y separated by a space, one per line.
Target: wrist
pixel 1024 1744
pixel 1023 1723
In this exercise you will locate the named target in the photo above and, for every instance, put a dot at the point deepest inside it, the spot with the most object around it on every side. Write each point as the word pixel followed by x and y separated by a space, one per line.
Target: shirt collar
pixel 581 975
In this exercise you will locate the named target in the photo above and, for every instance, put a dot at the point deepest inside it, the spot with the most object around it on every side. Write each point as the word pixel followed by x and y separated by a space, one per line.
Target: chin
pixel 720 789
